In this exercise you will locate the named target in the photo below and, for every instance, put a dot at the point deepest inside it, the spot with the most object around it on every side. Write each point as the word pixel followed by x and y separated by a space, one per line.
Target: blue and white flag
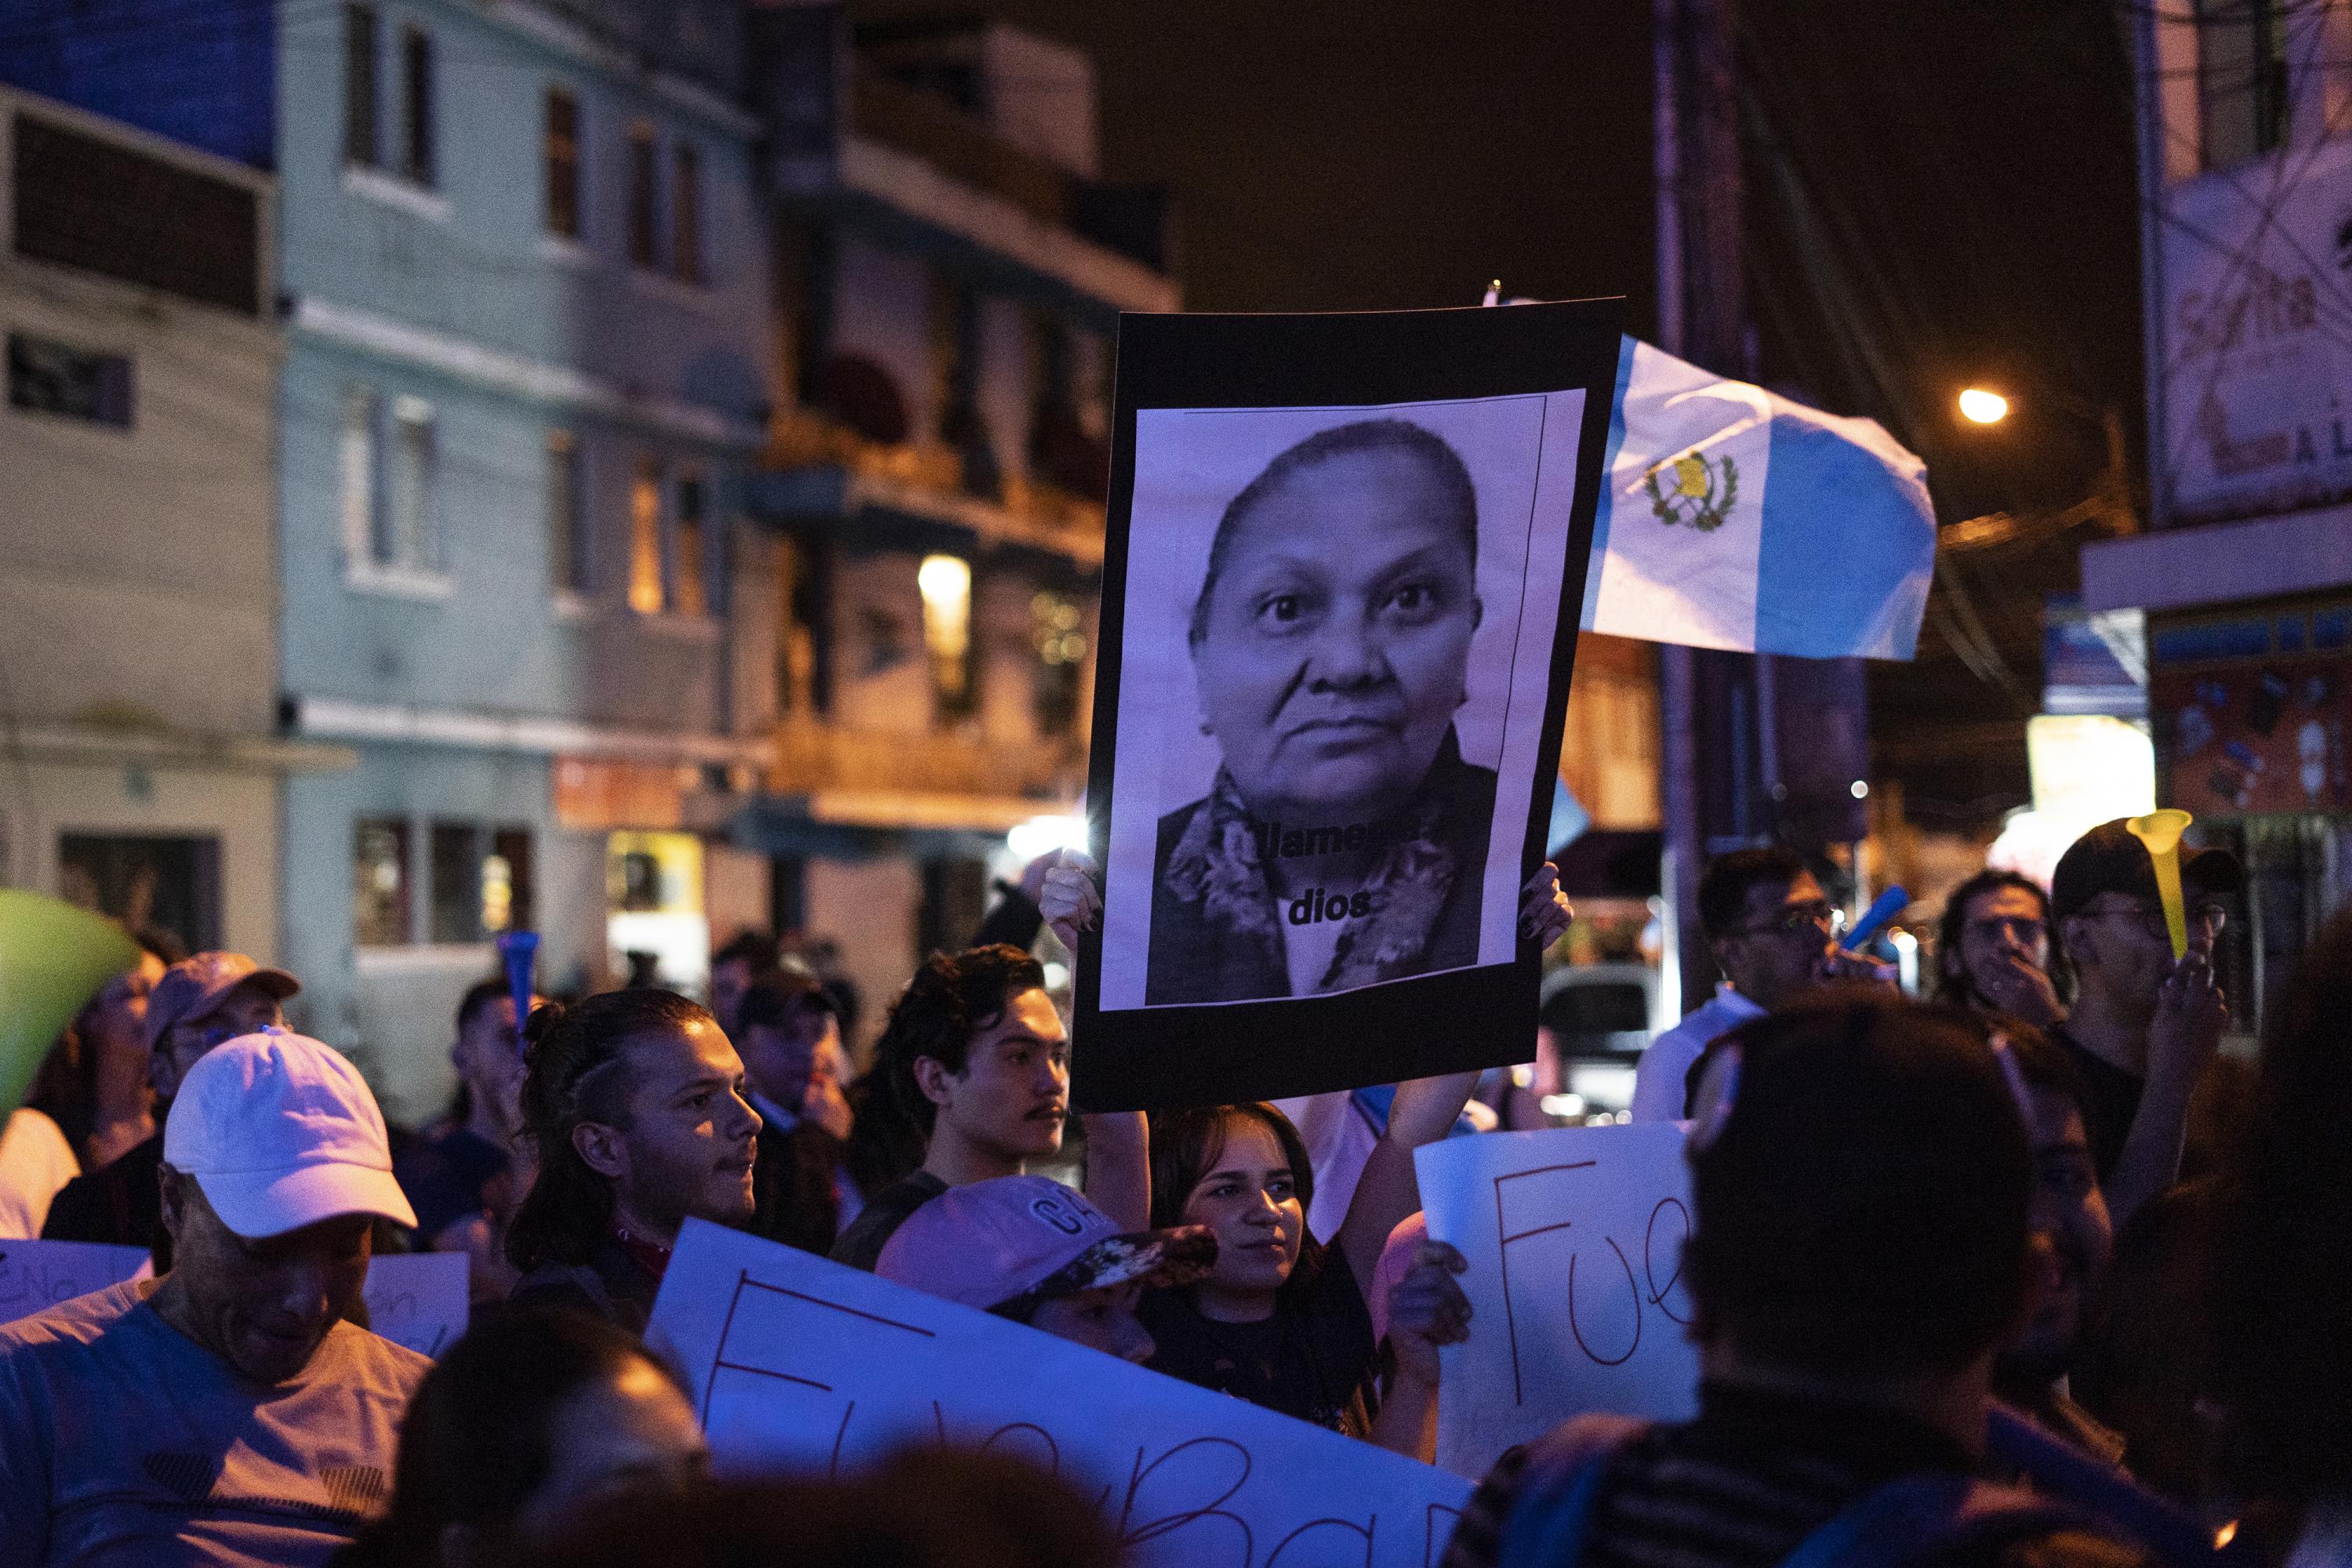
pixel 1731 517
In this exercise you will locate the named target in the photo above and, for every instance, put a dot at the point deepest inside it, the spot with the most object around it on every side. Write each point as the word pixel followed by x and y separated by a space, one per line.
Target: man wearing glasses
pixel 2145 1027
pixel 1771 929
pixel 199 1003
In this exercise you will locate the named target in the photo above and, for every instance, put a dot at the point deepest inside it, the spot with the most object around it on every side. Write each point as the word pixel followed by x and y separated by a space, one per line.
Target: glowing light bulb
pixel 1983 407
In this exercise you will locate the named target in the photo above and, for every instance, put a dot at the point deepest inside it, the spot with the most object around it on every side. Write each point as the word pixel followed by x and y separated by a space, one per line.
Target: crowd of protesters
pixel 1934 1244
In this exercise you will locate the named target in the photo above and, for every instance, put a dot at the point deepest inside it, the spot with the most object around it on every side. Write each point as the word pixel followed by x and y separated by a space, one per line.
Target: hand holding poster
pixel 1345 558
pixel 799 1365
pixel 1574 1239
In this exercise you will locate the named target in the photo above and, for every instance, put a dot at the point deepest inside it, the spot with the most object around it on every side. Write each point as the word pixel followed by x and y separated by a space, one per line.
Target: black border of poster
pixel 1151 1057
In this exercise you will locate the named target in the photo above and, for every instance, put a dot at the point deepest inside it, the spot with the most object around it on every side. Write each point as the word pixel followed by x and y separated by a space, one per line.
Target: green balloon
pixel 53 958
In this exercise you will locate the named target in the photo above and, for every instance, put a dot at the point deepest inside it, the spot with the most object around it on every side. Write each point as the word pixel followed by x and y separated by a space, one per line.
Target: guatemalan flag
pixel 1731 517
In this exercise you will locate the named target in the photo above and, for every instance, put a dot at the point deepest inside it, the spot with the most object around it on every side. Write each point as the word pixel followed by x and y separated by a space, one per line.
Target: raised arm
pixel 1118 1146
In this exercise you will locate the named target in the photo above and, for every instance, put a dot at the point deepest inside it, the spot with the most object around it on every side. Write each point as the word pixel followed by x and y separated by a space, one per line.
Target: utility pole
pixel 1702 317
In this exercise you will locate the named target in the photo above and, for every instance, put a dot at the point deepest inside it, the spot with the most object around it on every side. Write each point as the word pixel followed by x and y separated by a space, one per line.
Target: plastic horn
pixel 1883 909
pixel 520 951
pixel 2161 831
pixel 53 958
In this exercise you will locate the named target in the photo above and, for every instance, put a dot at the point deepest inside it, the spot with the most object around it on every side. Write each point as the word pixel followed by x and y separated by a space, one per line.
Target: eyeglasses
pixel 2024 932
pixel 1796 920
pixel 2212 917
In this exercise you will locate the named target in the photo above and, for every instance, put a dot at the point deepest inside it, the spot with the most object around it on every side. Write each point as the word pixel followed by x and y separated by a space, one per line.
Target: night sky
pixel 1966 171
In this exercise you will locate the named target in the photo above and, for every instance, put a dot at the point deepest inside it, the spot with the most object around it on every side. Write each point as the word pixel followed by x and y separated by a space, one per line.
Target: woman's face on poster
pixel 1337 640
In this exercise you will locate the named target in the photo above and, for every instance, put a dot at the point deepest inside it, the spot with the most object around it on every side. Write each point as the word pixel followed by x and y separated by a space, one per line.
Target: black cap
pixel 774 992
pixel 2111 858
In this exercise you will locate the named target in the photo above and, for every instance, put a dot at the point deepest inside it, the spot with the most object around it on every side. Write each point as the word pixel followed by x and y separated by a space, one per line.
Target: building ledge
pixel 838 492
pixel 914 187
pixel 2221 563
pixel 196 750
pixel 341 719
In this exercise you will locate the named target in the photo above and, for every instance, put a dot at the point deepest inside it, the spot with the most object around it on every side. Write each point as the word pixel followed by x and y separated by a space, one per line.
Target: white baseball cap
pixel 279 1131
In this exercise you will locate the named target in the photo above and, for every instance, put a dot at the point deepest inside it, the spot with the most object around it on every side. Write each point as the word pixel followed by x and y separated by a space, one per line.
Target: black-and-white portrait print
pixel 1337 623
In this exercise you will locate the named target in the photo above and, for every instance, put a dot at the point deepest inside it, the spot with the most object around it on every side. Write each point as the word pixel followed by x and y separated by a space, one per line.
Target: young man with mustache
pixel 978 1059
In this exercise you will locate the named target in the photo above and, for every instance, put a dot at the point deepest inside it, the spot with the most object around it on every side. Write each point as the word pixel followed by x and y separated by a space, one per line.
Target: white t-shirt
pixel 1659 1078
pixel 36 1162
pixel 124 1444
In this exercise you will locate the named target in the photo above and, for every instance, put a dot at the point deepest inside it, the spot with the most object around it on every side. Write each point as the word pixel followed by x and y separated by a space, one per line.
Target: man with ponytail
pixel 635 1103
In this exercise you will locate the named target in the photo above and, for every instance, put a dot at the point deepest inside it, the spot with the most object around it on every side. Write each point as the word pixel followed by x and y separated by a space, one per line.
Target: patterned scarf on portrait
pixel 1215 865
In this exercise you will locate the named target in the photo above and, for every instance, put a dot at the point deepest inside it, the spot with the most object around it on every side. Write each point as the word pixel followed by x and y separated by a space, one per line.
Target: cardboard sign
pixel 799 1365
pixel 1574 1239
pixel 413 1300
pixel 418 1299
pixel 37 1275
pixel 1345 562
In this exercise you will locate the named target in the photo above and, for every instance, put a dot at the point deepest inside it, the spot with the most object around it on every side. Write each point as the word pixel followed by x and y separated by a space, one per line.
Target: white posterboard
pixel 416 1300
pixel 1574 1239
pixel 37 1275
pixel 799 1365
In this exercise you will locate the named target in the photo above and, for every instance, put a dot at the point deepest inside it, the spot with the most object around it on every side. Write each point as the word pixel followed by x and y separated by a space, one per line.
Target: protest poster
pixel 416 1300
pixel 1574 1239
pixel 37 1275
pixel 800 1365
pixel 1344 565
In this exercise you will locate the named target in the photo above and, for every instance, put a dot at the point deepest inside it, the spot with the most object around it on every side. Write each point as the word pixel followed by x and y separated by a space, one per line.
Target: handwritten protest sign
pixel 37 1275
pixel 418 1299
pixel 1574 1239
pixel 413 1300
pixel 799 1365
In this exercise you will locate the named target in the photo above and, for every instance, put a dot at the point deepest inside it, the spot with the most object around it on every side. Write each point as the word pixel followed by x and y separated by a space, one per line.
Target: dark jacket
pixel 610 1285
pixel 791 1185
pixel 1216 925
pixel 117 1203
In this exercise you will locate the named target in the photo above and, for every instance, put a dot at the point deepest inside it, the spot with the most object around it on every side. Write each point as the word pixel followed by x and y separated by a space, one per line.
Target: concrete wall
pixel 391 1009
pixel 238 809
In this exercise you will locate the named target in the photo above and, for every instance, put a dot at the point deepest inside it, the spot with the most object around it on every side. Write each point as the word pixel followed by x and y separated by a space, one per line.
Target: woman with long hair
pixel 1281 1319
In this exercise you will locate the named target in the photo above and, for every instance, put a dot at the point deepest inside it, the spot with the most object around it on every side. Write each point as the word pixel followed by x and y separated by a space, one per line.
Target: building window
pixel 360 87
pixel 645 196
pixel 417 105
pixel 2242 80
pixel 805 266
pixel 686 214
pixel 356 459
pixel 645 594
pixel 562 164
pixel 49 378
pixel 567 532
pixel 945 581
pixel 1055 622
pixel 410 535
pixel 380 882
pixel 482 881
pixel 689 551
pixel 954 332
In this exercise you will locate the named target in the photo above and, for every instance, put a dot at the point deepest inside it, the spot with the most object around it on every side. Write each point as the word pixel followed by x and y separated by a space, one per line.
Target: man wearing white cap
pixel 225 1413
pixel 1029 1248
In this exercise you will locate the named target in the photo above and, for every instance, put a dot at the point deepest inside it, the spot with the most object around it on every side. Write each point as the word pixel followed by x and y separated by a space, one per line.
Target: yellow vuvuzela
pixel 53 958
pixel 2161 831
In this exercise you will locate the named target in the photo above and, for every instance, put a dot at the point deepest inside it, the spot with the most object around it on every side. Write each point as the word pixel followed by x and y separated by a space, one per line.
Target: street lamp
pixel 1980 407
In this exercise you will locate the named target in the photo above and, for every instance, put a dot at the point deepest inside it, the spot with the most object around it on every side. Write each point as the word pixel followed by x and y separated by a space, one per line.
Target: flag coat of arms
pixel 1734 518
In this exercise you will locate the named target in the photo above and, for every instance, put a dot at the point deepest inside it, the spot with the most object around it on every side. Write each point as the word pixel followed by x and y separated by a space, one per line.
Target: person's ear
pixel 2082 943
pixel 163 1071
pixel 1477 611
pixel 932 1076
pixel 602 1149
pixel 171 1188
